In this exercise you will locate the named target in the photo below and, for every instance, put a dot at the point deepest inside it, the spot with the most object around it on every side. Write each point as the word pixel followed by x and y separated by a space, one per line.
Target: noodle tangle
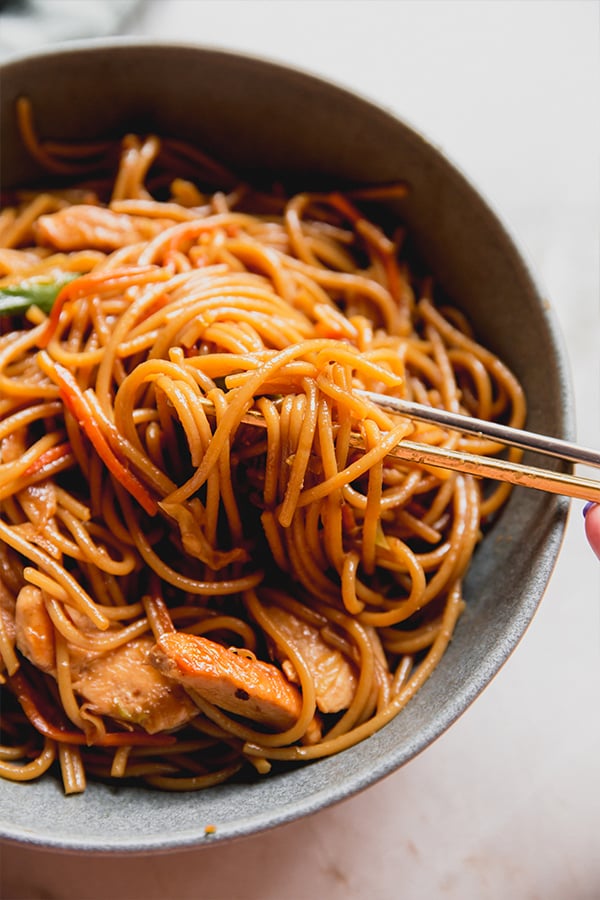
pixel 188 474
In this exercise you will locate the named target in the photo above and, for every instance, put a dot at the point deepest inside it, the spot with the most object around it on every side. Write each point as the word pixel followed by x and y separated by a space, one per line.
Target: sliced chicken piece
pixel 34 629
pixel 38 502
pixel 334 677
pixel 7 612
pixel 12 446
pixel 11 571
pixel 124 685
pixel 85 226
pixel 239 684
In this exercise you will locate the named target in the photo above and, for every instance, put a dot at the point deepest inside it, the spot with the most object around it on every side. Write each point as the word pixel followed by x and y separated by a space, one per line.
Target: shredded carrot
pixel 74 399
pixel 393 276
pixel 381 191
pixel 86 284
pixel 348 209
pixel 59 451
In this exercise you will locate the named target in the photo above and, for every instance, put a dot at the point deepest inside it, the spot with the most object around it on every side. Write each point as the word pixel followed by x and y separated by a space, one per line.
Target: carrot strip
pixel 343 205
pixel 54 453
pixel 75 401
pixel 380 191
pixel 79 287
pixel 393 275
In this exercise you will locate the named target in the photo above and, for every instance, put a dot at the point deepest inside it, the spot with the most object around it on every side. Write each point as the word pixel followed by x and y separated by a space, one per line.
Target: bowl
pixel 259 116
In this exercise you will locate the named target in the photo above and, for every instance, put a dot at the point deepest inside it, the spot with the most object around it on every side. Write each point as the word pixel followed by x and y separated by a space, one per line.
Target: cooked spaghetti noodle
pixel 184 592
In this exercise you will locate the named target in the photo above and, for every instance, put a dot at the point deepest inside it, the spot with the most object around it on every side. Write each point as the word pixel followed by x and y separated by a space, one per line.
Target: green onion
pixel 16 299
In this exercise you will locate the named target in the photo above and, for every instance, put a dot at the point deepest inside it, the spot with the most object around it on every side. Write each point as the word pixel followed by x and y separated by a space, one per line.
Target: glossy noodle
pixel 209 562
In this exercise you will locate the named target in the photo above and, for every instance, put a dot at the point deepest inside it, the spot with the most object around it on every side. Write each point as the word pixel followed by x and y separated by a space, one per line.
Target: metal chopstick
pixel 504 434
pixel 499 469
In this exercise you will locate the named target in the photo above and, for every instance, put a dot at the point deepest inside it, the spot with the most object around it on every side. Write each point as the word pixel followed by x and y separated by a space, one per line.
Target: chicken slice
pixel 334 677
pixel 34 629
pixel 8 660
pixel 84 226
pixel 38 502
pixel 124 685
pixel 239 684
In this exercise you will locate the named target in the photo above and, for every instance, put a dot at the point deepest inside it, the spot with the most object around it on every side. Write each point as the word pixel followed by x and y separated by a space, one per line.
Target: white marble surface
pixel 507 803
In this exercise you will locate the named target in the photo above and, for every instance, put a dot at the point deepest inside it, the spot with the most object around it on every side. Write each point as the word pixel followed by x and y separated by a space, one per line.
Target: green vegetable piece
pixel 17 298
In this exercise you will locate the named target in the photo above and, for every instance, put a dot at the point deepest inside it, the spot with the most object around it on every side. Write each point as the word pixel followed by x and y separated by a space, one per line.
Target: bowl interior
pixel 260 117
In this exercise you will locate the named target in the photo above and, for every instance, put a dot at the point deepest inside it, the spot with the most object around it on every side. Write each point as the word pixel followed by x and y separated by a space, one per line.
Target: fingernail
pixel 587 508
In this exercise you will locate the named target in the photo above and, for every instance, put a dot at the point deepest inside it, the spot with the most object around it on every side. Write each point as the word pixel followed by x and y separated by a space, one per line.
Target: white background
pixel 507 803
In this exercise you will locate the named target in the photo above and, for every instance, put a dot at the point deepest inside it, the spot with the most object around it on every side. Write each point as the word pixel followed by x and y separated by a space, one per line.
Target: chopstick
pixel 504 434
pixel 553 482
pixel 499 469
pixel 561 483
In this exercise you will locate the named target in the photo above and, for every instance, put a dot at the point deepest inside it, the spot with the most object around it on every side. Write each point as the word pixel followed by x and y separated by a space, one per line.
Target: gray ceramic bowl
pixel 256 115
